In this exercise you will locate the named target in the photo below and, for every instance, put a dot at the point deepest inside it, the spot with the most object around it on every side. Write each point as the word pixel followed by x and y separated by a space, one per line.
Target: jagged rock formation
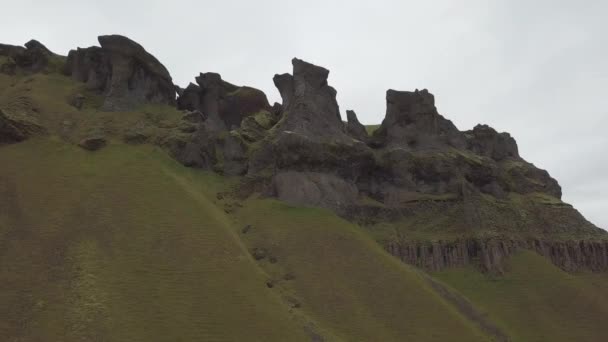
pixel 412 122
pixel 485 141
pixel 309 144
pixel 123 71
pixel 415 152
pixel 225 104
pixel 225 119
pixel 309 103
pixel 35 57
pixel 354 128
pixel 416 166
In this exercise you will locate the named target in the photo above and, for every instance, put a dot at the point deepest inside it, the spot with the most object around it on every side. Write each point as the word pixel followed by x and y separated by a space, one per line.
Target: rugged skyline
pixel 534 72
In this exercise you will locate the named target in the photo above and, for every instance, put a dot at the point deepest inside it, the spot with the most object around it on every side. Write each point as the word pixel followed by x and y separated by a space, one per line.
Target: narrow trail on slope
pixel 467 309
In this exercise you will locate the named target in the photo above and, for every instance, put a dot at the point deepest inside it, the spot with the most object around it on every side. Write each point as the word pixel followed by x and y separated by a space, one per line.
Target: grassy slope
pixel 345 280
pixel 371 128
pixel 46 97
pixel 124 244
pixel 537 301
pixel 109 246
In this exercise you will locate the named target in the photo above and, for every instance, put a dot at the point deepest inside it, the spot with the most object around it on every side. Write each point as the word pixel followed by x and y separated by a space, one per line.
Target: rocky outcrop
pixel 523 177
pixel 412 122
pixel 123 71
pixel 354 128
pixel 16 127
pixel 485 141
pixel 489 255
pixel 234 155
pixel 225 104
pixel 314 189
pixel 492 255
pixel 32 58
pixel 309 103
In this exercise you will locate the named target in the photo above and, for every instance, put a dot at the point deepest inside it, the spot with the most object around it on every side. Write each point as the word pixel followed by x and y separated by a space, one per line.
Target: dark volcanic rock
pixel 485 141
pixel 523 177
pixel 292 151
pixel 190 98
pixel 284 84
pixel 354 128
pixel 309 103
pixel 36 45
pixel 401 172
pixel 16 127
pixel 31 59
pixel 123 71
pixel 199 149
pixel 310 135
pixel 234 155
pixel 225 104
pixel 314 189
pixel 412 122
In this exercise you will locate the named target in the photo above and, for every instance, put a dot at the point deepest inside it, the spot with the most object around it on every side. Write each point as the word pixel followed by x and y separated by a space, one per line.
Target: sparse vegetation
pixel 371 128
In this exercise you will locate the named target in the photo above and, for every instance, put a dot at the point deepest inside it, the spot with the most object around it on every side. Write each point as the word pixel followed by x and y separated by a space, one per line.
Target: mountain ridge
pixel 302 152
pixel 134 209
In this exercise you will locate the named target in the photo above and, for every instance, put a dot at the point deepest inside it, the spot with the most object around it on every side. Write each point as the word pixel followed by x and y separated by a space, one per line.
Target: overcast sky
pixel 537 69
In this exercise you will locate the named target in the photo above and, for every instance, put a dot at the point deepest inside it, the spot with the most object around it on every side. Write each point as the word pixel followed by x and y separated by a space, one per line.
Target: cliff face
pixel 491 255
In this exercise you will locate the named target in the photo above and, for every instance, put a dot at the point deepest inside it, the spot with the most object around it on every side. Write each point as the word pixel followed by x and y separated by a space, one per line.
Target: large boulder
pixel 225 104
pixel 16 127
pixel 412 122
pixel 123 71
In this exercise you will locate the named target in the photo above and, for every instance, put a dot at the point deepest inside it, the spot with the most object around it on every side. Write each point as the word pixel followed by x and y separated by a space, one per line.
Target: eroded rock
pixel 309 103
pixel 32 58
pixel 354 128
pixel 123 71
pixel 412 122
pixel 314 189
pixel 485 141
pixel 17 126
pixel 225 104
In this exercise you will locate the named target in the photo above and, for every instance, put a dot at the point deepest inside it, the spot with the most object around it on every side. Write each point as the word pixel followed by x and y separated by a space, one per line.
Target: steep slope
pixel 536 301
pixel 111 247
pixel 123 244
pixel 340 276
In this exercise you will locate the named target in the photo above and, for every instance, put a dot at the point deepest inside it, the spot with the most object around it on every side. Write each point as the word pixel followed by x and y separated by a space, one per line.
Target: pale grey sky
pixel 537 69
